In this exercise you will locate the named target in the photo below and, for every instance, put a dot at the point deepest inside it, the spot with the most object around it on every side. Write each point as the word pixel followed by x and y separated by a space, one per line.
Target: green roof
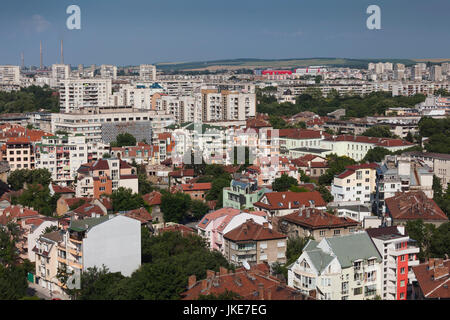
pixel 85 224
pixel 319 259
pixel 353 247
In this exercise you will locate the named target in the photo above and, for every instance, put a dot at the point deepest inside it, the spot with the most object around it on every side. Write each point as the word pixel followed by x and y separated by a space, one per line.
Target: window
pixel 337 232
pixel 263 245
pixel 402 270
pixel 357 291
pixel 322 233
pixel 402 258
pixel 402 283
pixel 263 257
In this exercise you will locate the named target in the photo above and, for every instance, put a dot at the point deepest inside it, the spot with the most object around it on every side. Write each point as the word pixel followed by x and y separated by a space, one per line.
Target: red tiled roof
pixel 217 214
pixel 382 142
pixel 433 278
pixel 352 169
pixel 414 205
pixel 59 189
pixel 250 230
pixel 281 200
pixel 140 214
pixel 205 186
pixel 152 198
pixel 317 219
pixel 72 201
pixel 178 228
pixel 253 284
pixel 88 209
pixel 182 173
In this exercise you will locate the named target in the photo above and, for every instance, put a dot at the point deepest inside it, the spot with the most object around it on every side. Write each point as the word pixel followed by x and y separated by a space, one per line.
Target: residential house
pixel 401 174
pixel 255 283
pixel 356 183
pixel 317 224
pixel 413 205
pixel 255 243
pixel 242 193
pixel 215 224
pixel 312 165
pixel 153 199
pixel 197 191
pixel 339 268
pixel 438 162
pixel 105 176
pixel 433 279
pixel 278 204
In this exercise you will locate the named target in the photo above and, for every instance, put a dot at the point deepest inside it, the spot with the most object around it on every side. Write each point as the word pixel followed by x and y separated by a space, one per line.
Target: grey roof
pixel 56 236
pixel 311 245
pixel 319 259
pixel 85 224
pixel 353 247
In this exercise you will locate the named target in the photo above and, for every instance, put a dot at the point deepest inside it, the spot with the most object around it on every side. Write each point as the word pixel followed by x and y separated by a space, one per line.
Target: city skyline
pixel 139 32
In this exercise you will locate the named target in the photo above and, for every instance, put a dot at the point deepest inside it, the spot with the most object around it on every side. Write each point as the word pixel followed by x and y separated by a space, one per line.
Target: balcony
pixel 62 260
pixel 76 252
pixel 75 264
pixel 399 252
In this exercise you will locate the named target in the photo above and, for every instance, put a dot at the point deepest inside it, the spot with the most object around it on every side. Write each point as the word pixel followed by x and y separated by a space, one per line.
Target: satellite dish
pixel 246 265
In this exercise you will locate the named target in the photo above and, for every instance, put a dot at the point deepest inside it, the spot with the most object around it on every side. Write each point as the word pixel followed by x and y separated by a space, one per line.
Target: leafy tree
pixel 376 154
pixel 303 177
pixel 50 229
pixel 39 198
pixel 298 189
pixel 18 178
pixel 30 99
pixel 13 283
pixel 106 155
pixel 336 165
pixel 123 199
pixel 277 122
pixel 284 183
pixel 440 241
pixel 378 131
pixel 294 250
pixel 175 207
pixel 422 233
pixel 198 209
pixel 124 140
pixel 438 133
pixel 409 137
pixel 325 193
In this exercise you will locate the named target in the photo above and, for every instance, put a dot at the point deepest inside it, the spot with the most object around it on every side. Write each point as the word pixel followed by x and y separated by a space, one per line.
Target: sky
pixel 134 32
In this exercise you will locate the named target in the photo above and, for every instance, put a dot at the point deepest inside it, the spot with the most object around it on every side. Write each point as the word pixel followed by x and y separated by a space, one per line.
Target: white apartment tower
pixel 77 94
pixel 108 71
pixel 60 72
pixel 9 75
pixel 147 72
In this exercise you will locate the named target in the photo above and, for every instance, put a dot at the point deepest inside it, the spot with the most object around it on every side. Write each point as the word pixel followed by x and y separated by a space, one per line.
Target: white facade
pixel 60 72
pixel 76 94
pixel 115 243
pixel 108 71
pixel 34 235
pixel 10 75
pixel 147 72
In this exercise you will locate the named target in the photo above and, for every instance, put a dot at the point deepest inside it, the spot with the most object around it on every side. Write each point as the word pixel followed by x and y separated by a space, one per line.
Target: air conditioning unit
pixel 358 282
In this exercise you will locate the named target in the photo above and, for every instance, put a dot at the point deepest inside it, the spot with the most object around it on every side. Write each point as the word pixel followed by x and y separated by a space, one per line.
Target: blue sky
pixel 150 31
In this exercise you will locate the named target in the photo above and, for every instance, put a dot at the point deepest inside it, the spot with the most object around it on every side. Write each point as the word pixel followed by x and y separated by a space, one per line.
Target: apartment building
pixel 46 263
pixel 356 183
pixel 62 155
pixel 111 240
pixel 108 71
pixel 242 193
pixel 401 174
pixel 255 243
pixel 19 152
pixel 76 94
pixel 214 225
pixel 60 72
pixel 90 121
pixel 227 105
pixel 142 153
pixel 105 176
pixel 183 108
pixel 147 72
pixel 9 75
pixel 315 223
pixel 438 162
pixel 339 268
pixel 399 255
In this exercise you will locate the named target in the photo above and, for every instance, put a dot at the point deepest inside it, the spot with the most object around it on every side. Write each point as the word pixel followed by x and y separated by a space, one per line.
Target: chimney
pixel 261 291
pixel 307 213
pixel 191 281
pixel 265 225
pixel 283 196
pixel 223 271
pixel 289 205
pixel 269 294
pixel 204 284
pixel 210 274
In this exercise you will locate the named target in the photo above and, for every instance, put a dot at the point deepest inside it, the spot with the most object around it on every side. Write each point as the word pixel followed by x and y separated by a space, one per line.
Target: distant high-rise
pixel 399 71
pixel 147 72
pixel 108 71
pixel 436 73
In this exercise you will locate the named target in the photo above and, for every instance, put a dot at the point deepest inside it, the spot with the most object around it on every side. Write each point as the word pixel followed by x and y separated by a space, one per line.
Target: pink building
pixel 214 225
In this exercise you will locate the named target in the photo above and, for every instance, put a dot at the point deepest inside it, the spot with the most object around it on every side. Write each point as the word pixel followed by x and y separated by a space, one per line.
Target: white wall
pixel 116 243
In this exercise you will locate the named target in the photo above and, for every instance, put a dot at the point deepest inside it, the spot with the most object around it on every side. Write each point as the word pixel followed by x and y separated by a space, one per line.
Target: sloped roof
pixel 250 230
pixel 281 200
pixel 318 219
pixel 353 247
